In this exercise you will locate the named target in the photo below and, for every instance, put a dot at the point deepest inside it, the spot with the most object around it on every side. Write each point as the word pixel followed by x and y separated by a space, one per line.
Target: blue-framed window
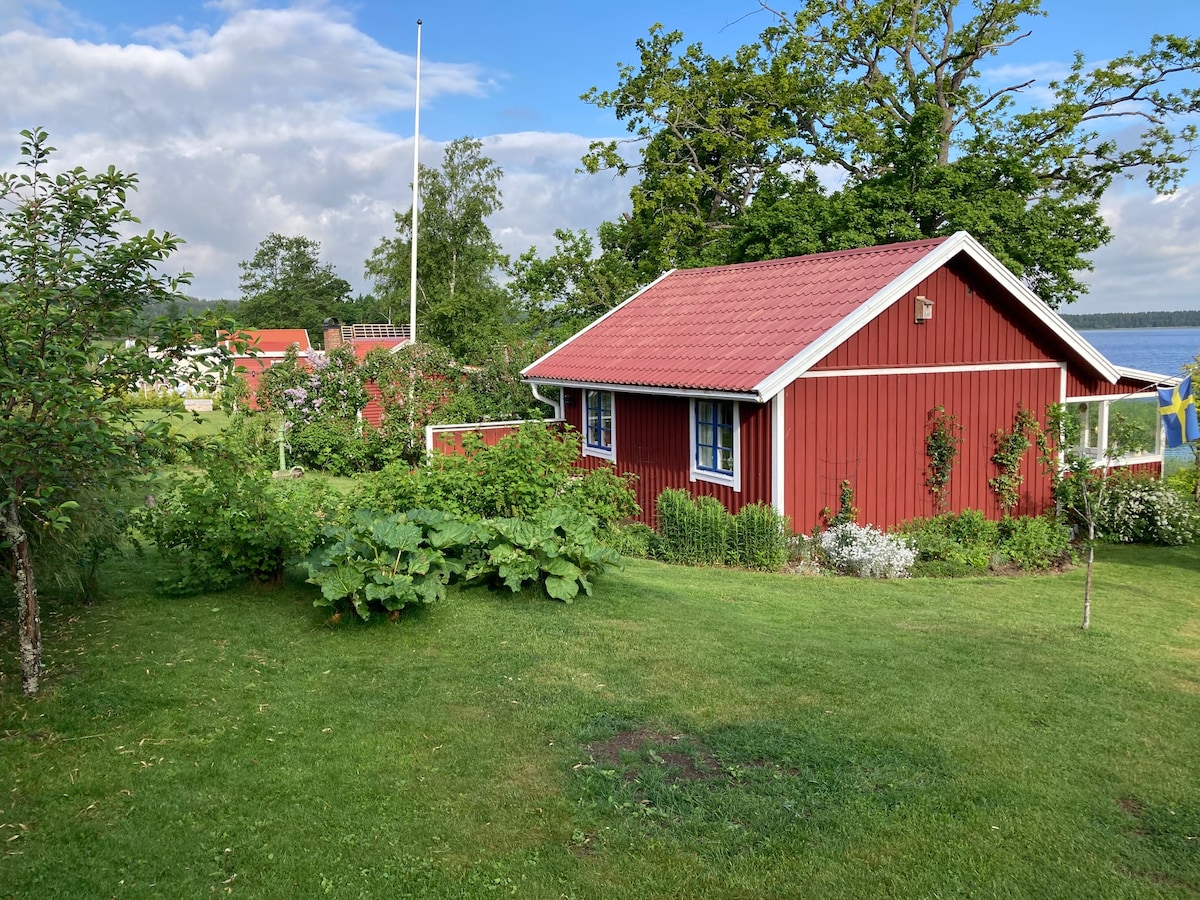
pixel 598 423
pixel 715 429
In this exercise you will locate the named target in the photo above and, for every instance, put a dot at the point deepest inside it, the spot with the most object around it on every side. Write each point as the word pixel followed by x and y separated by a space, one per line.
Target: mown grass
pixel 685 732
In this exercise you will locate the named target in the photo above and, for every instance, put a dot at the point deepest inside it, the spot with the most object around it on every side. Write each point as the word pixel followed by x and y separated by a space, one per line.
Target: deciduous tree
pixel 71 279
pixel 889 101
pixel 459 301
pixel 285 285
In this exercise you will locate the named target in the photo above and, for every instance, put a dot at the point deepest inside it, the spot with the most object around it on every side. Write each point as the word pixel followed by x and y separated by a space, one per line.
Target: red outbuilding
pixel 775 382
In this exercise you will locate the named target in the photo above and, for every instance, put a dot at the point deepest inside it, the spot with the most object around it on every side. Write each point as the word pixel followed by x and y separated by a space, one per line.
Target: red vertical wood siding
pixel 970 325
pixel 653 440
pixel 871 430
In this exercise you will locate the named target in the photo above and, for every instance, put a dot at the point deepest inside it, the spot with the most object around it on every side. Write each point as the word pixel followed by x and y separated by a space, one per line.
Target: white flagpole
pixel 412 299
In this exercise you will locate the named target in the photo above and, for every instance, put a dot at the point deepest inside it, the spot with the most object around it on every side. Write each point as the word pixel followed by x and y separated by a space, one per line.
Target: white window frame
pixel 731 480
pixel 1098 451
pixel 589 449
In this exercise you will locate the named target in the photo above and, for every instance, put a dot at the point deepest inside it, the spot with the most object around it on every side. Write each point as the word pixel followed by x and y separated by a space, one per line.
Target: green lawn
pixel 683 733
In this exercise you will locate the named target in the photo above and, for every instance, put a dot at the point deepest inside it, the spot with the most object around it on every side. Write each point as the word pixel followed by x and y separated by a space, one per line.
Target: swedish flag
pixel 1177 407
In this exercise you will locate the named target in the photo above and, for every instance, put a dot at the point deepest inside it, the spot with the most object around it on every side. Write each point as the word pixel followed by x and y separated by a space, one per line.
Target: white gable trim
pixel 568 341
pixel 960 242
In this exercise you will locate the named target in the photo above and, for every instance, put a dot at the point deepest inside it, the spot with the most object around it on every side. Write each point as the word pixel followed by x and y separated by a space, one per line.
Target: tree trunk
pixel 1087 583
pixel 28 615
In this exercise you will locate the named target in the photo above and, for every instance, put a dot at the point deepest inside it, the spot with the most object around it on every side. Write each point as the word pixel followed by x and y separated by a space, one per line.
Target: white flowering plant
pixel 1141 510
pixel 867 552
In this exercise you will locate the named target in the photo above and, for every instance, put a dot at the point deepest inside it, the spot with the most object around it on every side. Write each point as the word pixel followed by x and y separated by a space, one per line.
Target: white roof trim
pixel 1157 378
pixel 700 393
pixel 584 331
pixel 960 242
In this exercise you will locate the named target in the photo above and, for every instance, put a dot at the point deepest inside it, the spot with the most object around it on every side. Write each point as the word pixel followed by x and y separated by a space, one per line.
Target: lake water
pixel 1161 350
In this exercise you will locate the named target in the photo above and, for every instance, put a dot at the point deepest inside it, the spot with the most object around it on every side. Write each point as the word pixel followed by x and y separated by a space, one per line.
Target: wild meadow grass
pixel 683 733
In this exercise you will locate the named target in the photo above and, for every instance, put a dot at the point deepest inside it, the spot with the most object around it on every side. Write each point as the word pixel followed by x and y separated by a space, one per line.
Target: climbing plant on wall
pixel 941 447
pixel 1011 446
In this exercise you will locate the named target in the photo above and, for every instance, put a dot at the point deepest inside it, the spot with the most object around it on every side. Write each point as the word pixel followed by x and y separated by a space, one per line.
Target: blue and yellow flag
pixel 1177 407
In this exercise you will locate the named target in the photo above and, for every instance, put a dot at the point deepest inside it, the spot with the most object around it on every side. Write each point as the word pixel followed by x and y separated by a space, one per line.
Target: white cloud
pixel 269 122
pixel 1153 261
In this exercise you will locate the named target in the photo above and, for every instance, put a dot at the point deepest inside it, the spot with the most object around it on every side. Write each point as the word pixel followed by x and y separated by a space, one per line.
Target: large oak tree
pixel 889 101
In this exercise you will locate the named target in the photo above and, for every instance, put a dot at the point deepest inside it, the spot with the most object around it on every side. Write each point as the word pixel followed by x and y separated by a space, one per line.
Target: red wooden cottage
pixel 265 348
pixel 363 339
pixel 776 381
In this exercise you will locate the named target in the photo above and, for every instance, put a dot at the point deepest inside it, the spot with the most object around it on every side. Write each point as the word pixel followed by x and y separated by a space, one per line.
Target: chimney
pixel 331 334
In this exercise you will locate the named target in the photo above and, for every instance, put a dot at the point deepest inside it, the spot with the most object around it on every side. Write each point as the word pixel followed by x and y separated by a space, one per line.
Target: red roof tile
pixel 727 327
pixel 363 347
pixel 276 340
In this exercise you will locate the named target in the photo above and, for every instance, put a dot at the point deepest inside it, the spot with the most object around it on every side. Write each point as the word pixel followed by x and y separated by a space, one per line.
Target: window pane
pixel 704 434
pixel 725 460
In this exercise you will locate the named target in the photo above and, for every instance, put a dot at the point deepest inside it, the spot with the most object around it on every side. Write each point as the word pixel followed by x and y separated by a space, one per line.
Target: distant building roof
pixel 275 340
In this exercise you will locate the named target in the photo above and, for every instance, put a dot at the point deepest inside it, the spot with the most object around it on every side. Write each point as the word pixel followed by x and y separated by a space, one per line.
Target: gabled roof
pixel 362 347
pixel 752 328
pixel 275 340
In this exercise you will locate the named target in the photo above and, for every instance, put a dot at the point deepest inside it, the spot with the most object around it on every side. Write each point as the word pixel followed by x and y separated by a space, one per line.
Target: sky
pixel 244 118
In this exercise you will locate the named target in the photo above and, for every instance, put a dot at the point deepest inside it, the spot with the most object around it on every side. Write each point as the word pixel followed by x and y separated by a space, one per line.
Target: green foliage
pixel 847 511
pixel 941 448
pixel 231 522
pixel 951 544
pixel 285 285
pixel 1011 447
pixel 896 99
pixel 1034 542
pixel 637 540
pixel 968 543
pixel 526 472
pixel 573 286
pixel 760 538
pixel 555 548
pixel 385 561
pixel 459 303
pixel 253 437
pixel 74 277
pixel 693 531
pixel 1172 318
pixel 164 399
pixel 700 531
pixel 332 445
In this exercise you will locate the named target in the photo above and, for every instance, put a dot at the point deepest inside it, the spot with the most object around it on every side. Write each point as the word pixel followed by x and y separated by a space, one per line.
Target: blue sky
pixel 243 118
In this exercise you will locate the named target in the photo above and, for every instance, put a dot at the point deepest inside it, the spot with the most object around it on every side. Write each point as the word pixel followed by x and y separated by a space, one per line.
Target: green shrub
pixel 252 437
pixel 388 560
pixel 231 522
pixel 701 531
pixel 760 538
pixel 693 531
pixel 1184 480
pixel 526 472
pixel 164 399
pixel 329 444
pixel 556 549
pixel 953 544
pixel 1034 542
pixel 968 543
pixel 635 539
